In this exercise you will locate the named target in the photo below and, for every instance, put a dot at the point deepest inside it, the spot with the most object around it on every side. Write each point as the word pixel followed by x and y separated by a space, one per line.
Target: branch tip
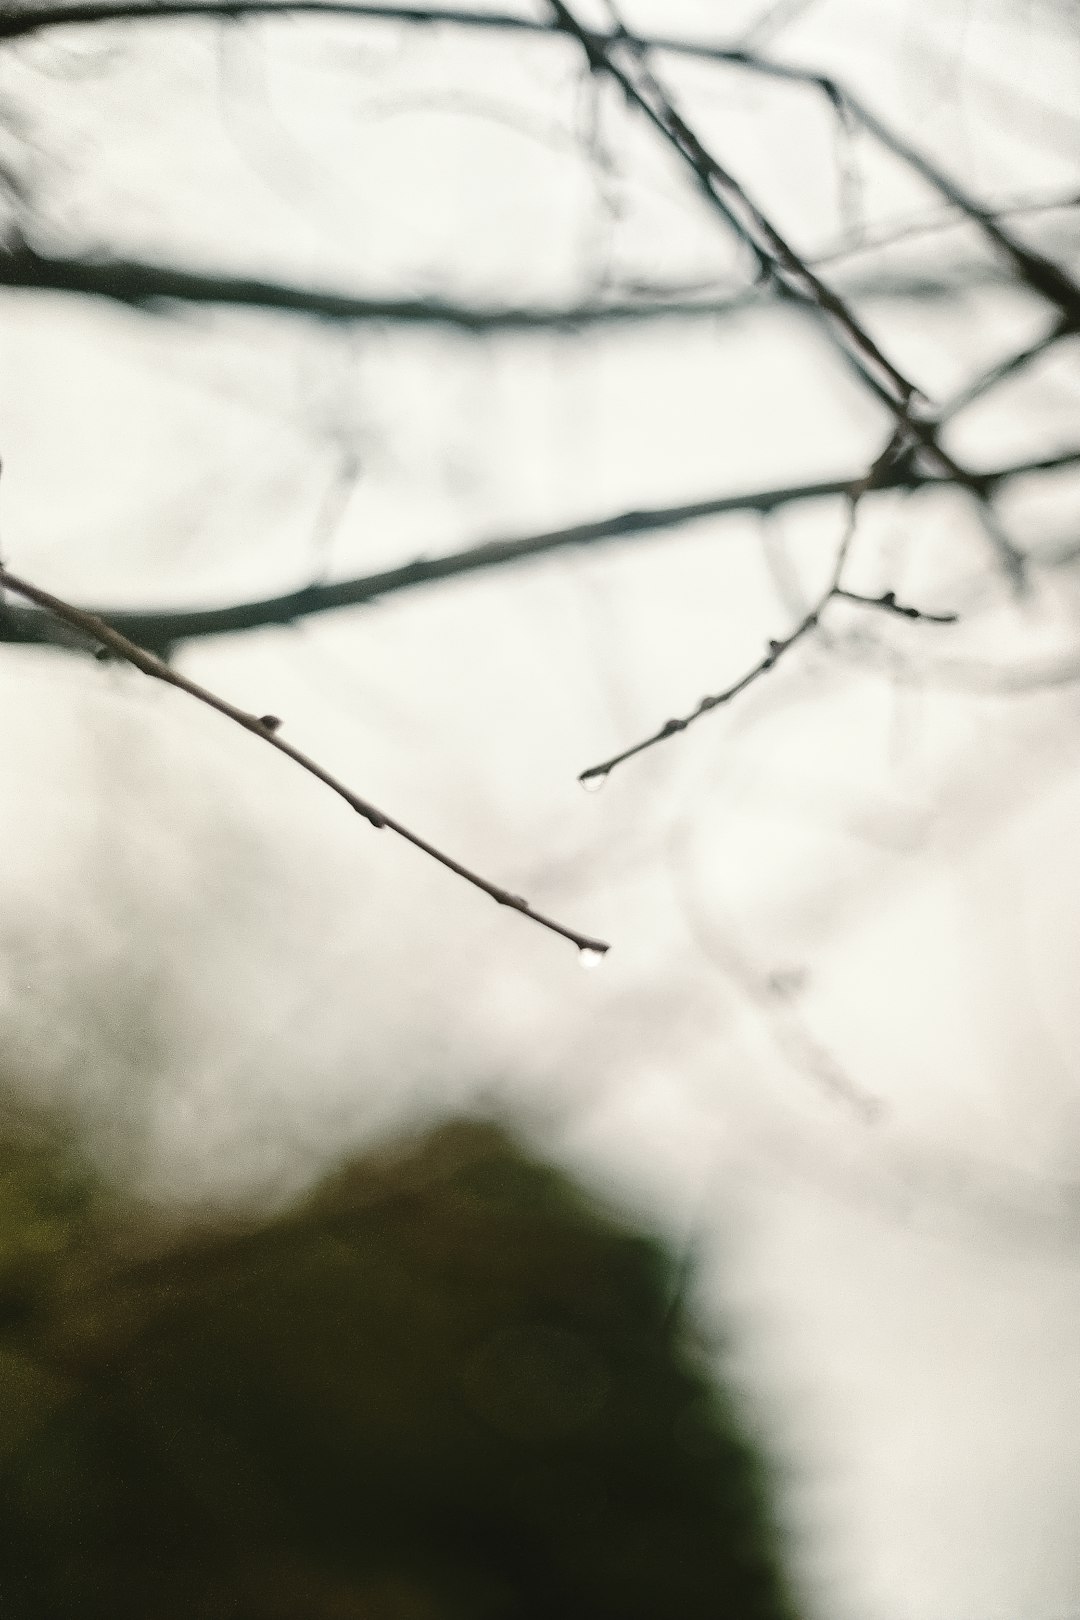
pixel 110 642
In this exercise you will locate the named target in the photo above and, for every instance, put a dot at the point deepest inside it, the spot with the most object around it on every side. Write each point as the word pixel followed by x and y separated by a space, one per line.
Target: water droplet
pixel 593 784
pixel 590 958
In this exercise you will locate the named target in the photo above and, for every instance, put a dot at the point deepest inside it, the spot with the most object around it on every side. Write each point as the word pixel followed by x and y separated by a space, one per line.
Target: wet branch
pixel 778 650
pixel 96 631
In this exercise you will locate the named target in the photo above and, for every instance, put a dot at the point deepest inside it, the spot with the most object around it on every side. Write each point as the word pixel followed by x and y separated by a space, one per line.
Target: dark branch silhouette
pixel 1039 273
pixel 94 630
pixel 143 285
pixel 777 260
pixel 886 473
pixel 17 22
pixel 1010 366
pixel 161 630
pixel 915 456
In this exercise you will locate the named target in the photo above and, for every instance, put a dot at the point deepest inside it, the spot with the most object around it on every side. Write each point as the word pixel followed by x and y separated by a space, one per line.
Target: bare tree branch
pixel 772 21
pixel 161 630
pixel 913 459
pixel 134 282
pixel 1008 367
pixel 882 475
pixel 834 591
pixel 1034 269
pixel 19 21
pixel 1041 274
pixel 789 273
pixel 95 630
pixel 947 218
pixel 142 285
pixel 784 267
pixel 777 260
pixel 1049 280
pixel 888 604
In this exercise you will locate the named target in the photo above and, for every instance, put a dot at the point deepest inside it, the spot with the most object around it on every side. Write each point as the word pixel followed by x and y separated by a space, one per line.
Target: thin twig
pixel 266 727
pixel 671 728
pixel 1008 367
pixel 887 603
pixel 777 650
pixel 883 475
pixel 776 17
pixel 944 219
pixel 1036 271
pixel 1011 557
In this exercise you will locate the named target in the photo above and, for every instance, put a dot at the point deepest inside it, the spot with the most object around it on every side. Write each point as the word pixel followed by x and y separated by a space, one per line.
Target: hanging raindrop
pixel 593 784
pixel 590 958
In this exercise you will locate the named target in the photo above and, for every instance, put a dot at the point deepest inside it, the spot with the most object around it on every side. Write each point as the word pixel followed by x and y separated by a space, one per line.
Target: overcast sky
pixel 834 1044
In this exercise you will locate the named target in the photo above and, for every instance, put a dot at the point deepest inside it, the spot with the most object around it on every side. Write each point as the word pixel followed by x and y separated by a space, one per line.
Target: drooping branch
pixel 96 631
pixel 161 630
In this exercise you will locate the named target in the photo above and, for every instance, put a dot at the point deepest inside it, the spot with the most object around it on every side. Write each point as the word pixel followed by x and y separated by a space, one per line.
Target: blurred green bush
pixel 445 1387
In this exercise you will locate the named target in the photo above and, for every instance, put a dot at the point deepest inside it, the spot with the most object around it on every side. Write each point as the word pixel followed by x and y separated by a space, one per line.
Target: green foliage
pixel 444 1388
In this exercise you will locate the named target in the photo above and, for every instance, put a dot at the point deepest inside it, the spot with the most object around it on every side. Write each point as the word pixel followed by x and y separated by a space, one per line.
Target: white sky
pixel 859 883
